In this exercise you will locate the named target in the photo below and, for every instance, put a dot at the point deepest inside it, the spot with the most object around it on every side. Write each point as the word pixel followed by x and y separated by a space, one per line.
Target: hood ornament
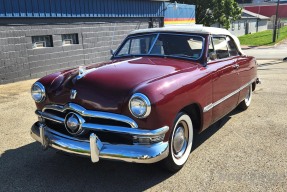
pixel 83 71
pixel 73 94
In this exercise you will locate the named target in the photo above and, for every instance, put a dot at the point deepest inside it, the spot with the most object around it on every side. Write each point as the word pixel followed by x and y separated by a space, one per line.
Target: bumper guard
pixel 96 149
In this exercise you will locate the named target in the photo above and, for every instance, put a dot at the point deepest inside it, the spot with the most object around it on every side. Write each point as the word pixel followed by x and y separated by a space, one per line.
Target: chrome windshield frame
pixel 157 55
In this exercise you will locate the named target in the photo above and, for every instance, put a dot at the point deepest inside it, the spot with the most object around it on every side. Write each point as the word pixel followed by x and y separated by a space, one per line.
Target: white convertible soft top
pixel 192 29
pixel 186 29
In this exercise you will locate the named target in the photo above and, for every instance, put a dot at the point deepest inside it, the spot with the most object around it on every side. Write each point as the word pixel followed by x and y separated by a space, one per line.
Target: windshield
pixel 173 45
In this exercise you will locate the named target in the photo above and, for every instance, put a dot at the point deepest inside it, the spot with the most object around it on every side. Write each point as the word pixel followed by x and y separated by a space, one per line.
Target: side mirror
pixel 212 55
pixel 112 52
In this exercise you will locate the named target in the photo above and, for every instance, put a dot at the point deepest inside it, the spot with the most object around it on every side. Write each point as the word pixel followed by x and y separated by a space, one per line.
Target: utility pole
pixel 275 24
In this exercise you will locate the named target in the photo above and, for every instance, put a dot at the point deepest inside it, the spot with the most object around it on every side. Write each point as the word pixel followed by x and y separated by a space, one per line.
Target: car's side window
pixel 220 46
pixel 232 47
pixel 211 52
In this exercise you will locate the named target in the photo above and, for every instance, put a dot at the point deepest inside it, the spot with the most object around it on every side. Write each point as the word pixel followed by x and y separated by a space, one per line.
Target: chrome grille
pixel 103 124
pixel 57 113
pixel 109 127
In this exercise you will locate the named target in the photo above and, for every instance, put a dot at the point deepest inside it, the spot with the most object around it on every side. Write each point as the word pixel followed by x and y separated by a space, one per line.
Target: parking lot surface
pixel 245 151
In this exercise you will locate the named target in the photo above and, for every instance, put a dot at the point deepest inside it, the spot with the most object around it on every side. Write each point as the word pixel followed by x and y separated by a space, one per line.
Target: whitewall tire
pixel 180 143
pixel 247 100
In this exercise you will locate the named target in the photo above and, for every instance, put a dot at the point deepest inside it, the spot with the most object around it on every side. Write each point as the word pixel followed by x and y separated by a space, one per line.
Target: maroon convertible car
pixel 161 86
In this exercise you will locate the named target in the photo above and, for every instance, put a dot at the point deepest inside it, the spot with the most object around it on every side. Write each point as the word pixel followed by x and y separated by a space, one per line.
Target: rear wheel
pixel 180 143
pixel 247 100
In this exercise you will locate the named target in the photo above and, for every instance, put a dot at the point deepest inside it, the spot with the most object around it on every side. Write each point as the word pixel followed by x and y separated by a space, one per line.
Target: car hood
pixel 106 86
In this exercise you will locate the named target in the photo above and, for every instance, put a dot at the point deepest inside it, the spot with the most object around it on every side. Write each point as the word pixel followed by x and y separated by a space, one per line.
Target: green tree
pixel 209 12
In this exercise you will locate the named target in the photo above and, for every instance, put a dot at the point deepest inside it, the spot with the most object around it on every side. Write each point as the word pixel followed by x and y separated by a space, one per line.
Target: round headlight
pixel 38 92
pixel 139 105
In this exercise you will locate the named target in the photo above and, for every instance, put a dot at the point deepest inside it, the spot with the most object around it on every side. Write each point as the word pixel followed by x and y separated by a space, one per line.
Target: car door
pixel 246 68
pixel 225 79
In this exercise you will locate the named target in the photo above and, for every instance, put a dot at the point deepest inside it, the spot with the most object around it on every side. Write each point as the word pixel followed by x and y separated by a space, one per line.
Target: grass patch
pixel 263 37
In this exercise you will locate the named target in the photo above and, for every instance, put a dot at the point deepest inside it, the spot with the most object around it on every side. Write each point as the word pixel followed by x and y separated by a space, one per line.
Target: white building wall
pixel 245 26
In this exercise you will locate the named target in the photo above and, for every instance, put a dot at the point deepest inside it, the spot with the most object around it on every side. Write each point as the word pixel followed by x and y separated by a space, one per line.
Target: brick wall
pixel 19 61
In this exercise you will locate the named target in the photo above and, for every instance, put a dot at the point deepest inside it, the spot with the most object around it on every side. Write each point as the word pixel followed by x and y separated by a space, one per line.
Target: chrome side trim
pixel 89 113
pixel 208 107
pixel 212 105
pixel 95 149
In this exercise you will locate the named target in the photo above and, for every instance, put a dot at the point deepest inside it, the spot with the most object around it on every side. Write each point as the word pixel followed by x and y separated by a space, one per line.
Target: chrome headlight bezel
pixel 147 105
pixel 38 88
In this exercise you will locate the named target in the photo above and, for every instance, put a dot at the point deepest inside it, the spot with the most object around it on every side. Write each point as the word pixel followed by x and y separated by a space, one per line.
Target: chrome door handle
pixel 236 66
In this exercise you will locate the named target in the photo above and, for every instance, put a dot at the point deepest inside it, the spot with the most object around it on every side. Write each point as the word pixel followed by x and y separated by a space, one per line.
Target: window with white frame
pixel 42 41
pixel 220 46
pixel 70 39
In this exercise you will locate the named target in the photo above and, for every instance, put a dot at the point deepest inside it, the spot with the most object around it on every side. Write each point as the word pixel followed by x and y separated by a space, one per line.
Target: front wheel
pixel 180 143
pixel 247 100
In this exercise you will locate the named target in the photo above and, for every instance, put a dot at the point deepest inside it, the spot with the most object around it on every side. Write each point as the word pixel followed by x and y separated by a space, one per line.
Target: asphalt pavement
pixel 245 151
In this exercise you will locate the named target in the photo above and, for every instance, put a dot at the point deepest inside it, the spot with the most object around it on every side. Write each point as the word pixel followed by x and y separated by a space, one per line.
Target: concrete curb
pixel 257 47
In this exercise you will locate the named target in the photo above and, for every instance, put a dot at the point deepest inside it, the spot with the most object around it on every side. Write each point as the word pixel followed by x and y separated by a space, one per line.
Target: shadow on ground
pixel 28 168
pixel 199 139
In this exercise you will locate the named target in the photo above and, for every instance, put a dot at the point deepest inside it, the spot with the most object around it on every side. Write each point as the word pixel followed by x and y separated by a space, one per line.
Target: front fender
pixel 170 94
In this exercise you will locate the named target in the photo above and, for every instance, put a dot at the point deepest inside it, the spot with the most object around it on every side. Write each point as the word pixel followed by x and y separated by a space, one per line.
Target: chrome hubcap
pixel 180 140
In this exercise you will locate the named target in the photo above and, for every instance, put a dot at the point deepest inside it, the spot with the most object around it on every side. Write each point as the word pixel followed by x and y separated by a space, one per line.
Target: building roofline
pixel 255 15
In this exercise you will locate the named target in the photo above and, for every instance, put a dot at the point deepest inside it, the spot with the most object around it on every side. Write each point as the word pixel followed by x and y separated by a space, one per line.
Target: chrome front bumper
pixel 96 149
